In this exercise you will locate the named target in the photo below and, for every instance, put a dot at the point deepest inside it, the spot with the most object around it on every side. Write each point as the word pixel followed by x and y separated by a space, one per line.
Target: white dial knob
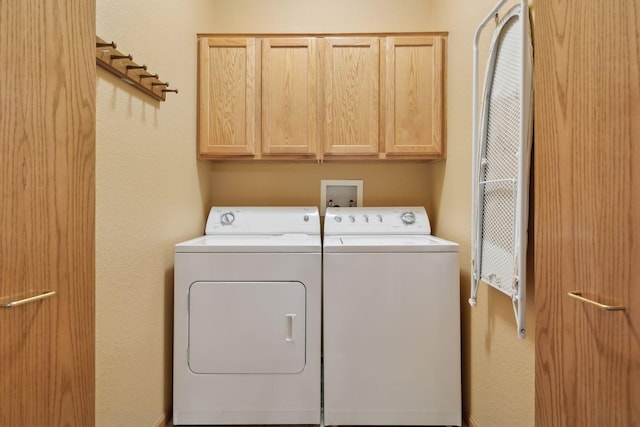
pixel 352 218
pixel 227 218
pixel 338 218
pixel 408 218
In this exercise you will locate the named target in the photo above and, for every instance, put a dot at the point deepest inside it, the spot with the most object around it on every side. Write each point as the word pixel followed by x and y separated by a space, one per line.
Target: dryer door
pixel 247 327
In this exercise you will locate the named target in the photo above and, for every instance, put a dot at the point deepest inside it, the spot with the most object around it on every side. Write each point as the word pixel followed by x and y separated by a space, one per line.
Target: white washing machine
pixel 391 300
pixel 247 319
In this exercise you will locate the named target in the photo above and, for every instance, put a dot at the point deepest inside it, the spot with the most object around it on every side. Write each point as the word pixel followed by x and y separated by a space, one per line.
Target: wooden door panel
pixel 587 212
pixel 289 98
pixel 47 164
pixel 227 92
pixel 414 100
pixel 351 95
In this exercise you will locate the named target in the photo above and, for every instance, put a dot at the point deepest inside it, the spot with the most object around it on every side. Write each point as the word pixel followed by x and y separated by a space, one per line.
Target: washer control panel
pixel 393 220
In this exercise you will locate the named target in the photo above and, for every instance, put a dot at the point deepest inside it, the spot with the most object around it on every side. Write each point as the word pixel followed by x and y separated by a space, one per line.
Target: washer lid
pixel 263 220
pixel 387 243
pixel 365 221
pixel 283 243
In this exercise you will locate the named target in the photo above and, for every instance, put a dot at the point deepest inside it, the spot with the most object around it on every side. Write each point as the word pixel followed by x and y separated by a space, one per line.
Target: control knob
pixel 408 218
pixel 227 218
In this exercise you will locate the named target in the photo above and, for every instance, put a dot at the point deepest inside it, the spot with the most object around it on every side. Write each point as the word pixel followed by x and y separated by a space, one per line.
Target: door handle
pixel 578 295
pixel 289 334
pixel 47 294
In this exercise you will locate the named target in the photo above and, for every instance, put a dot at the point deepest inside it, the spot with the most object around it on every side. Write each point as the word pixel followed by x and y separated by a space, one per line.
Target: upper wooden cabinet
pixel 351 94
pixel 414 96
pixel 370 97
pixel 227 96
pixel 289 98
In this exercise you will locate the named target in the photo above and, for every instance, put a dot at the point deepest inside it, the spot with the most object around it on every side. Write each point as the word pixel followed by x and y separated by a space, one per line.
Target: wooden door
pixel 289 98
pixel 227 93
pixel 351 95
pixel 414 95
pixel 47 187
pixel 587 212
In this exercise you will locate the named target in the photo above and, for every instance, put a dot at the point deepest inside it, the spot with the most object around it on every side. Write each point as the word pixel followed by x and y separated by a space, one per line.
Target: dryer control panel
pixel 392 220
pixel 263 220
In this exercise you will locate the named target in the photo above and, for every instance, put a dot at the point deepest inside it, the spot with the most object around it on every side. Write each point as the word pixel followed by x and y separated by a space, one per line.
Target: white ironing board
pixel 502 136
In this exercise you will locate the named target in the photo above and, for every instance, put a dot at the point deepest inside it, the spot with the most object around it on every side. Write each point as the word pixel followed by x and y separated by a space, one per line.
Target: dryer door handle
pixel 289 327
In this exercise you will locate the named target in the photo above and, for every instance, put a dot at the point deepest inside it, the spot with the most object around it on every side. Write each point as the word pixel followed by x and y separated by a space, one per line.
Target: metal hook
pixel 129 57
pixel 137 67
pixel 170 90
pixel 105 44
pixel 159 84
pixel 147 76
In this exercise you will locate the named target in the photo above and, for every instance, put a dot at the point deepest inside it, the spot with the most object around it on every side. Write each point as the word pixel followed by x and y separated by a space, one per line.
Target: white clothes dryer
pixel 247 319
pixel 391 300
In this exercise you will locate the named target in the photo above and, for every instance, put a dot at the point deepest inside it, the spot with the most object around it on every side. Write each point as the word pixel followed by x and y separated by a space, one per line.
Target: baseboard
pixel 471 422
pixel 164 419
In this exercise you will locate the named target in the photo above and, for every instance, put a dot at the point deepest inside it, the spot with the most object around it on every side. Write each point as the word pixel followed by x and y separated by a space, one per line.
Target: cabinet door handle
pixel 43 295
pixel 578 295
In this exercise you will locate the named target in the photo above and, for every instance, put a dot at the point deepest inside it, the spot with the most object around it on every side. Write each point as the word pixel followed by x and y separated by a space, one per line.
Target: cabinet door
pixel 289 96
pixel 351 95
pixel 414 98
pixel 227 96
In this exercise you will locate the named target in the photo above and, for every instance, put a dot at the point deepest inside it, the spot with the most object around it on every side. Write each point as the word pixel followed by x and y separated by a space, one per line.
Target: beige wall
pixel 314 16
pixel 281 184
pixel 151 193
pixel 498 368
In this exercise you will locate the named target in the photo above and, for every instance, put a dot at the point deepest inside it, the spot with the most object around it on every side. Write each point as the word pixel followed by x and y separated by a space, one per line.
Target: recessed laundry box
pixel 247 319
